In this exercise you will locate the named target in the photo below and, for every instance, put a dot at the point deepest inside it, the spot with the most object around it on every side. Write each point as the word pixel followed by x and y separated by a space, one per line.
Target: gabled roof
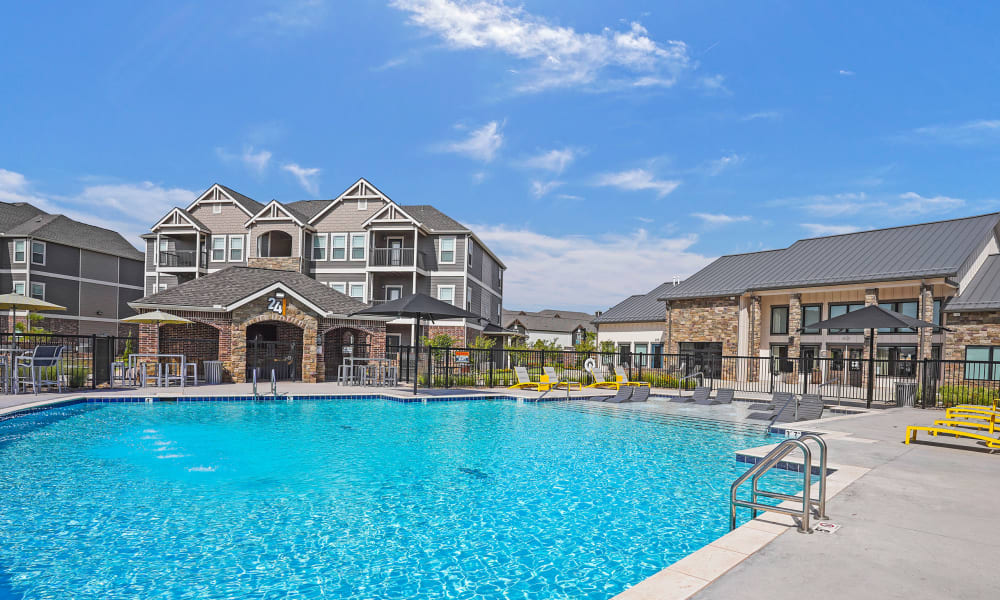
pixel 217 191
pixel 533 321
pixel 434 220
pixel 307 209
pixel 937 249
pixel 60 229
pixel 271 211
pixel 362 188
pixel 184 215
pixel 223 290
pixel 983 292
pixel 640 308
pixel 13 214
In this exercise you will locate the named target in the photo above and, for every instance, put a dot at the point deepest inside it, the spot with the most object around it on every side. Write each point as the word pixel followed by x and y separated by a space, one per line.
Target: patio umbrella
pixel 419 307
pixel 871 317
pixel 14 302
pixel 157 317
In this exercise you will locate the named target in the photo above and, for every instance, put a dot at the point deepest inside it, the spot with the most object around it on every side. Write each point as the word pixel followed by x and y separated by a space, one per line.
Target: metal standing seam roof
pixel 640 308
pixel 232 284
pixel 983 292
pixel 935 249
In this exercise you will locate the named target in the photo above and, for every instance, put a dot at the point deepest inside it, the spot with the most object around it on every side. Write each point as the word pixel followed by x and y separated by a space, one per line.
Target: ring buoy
pixel 590 364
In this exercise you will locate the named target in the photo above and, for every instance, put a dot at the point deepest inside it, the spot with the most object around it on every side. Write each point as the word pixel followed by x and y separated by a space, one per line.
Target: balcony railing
pixel 177 258
pixel 394 257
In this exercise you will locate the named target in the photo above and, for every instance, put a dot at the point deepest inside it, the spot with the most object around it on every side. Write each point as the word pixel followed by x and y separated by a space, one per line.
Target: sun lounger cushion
pixel 624 395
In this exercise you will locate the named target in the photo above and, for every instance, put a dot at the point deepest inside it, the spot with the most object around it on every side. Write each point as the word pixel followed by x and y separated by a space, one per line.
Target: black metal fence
pixel 879 382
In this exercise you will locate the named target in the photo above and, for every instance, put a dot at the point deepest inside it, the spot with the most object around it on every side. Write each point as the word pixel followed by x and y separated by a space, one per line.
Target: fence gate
pixel 285 358
pixel 103 352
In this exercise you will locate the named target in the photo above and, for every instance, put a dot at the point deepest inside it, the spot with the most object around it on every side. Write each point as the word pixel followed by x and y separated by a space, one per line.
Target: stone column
pixel 237 363
pixel 753 347
pixel 926 314
pixel 871 299
pixel 794 322
pixel 310 362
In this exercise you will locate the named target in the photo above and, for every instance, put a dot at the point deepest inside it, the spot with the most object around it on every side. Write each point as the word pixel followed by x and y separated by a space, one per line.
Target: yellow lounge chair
pixel 600 382
pixel 622 377
pixel 969 410
pixel 524 381
pixel 552 379
pixel 911 434
pixel 974 421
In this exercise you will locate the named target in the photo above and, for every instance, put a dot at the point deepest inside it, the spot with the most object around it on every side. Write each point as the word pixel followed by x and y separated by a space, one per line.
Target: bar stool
pixel 189 372
pixel 390 375
pixel 118 371
pixel 146 374
pixel 345 374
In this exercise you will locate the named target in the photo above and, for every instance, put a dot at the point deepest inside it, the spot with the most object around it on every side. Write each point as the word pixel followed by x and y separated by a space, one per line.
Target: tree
pixel 541 344
pixel 607 346
pixel 441 340
pixel 483 343
pixel 588 343
pixel 35 319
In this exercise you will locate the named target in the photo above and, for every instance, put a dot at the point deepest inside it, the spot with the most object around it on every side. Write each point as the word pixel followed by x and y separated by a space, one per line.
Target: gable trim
pixel 175 212
pixel 363 183
pixel 272 208
pixel 216 194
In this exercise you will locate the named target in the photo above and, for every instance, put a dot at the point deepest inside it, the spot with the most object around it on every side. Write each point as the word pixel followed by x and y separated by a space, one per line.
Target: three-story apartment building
pixel 92 271
pixel 361 244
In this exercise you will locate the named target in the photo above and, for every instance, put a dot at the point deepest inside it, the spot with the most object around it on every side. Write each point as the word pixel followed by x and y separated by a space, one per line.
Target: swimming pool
pixel 362 498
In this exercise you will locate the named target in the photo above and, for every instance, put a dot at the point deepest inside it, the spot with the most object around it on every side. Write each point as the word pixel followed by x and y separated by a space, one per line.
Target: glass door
pixel 396 252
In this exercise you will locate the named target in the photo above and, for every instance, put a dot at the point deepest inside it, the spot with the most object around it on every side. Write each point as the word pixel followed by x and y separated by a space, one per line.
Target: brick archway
pixel 336 342
pixel 274 345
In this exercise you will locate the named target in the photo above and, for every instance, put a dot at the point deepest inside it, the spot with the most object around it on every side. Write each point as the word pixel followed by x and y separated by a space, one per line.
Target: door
pixel 396 251
pixel 854 365
pixel 393 292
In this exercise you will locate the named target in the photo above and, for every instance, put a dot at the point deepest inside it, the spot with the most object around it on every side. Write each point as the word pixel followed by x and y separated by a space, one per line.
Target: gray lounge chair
pixel 810 407
pixel 699 395
pixel 624 395
pixel 721 397
pixel 777 399
pixel 782 406
pixel 639 393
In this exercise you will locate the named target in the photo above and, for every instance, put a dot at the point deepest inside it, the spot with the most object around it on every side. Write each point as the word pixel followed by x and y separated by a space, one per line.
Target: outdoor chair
pixel 43 366
pixel 554 381
pixel 777 399
pixel 624 394
pixel 951 429
pixel 810 407
pixel 600 382
pixel 621 376
pixel 699 396
pixel 783 410
pixel 724 396
pixel 524 381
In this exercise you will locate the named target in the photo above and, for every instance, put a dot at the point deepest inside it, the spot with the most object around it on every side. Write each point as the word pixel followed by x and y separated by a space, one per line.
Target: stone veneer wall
pixel 704 320
pixel 279 263
pixel 970 329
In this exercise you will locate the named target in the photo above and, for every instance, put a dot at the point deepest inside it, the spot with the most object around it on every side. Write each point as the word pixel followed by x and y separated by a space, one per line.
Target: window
pixel 446 293
pixel 363 204
pixel 163 286
pixel 910 308
pixel 339 286
pixel 578 336
pixel 38 291
pixel 640 351
pixel 896 361
pixel 983 362
pixel 937 316
pixel 447 253
pixel 393 292
pixel 19 251
pixel 392 343
pixel 468 298
pixel 338 246
pixel 219 248
pixel 469 249
pixel 357 246
pixel 779 359
pixel 358 291
pixel 811 313
pixel 37 253
pixel 19 287
pixel 319 246
pixel 236 248
pixel 216 209
pixel 837 310
pixel 779 320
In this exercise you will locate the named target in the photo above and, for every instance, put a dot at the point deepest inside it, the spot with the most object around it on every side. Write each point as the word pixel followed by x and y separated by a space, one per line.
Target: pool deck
pixel 916 520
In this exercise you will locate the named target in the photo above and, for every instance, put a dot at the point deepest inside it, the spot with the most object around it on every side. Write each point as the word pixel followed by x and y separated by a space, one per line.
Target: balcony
pixel 178 259
pixel 395 257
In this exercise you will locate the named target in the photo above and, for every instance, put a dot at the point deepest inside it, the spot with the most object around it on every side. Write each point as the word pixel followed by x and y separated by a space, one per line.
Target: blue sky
pixel 599 148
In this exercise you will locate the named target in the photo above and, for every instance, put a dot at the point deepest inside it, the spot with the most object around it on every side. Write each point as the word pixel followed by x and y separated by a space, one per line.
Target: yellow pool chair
pixel 600 382
pixel 621 376
pixel 524 381
pixel 552 379
pixel 939 429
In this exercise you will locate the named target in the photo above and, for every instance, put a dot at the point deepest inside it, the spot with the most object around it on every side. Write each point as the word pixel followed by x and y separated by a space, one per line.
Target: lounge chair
pixel 781 409
pixel 640 393
pixel 699 395
pixel 988 423
pixel 777 399
pixel 721 397
pixel 624 395
pixel 524 381
pixel 810 407
pixel 911 434
pixel 621 376
pixel 600 382
pixel 553 380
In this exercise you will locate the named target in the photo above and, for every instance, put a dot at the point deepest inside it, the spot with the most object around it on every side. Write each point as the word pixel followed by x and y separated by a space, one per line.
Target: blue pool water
pixel 356 499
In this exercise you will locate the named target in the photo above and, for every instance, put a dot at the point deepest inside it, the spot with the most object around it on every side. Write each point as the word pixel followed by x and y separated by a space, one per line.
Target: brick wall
pixel 704 320
pixel 198 342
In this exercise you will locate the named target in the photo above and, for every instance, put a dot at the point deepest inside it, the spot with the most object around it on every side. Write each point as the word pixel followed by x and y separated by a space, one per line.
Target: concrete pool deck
pixel 915 519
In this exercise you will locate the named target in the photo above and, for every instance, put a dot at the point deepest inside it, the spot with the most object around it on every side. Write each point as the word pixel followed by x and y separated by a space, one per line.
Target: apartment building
pixel 565 328
pixel 92 271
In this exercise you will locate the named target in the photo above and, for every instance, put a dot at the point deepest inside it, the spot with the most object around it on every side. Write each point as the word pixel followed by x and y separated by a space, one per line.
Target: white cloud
pixel 603 269
pixel 129 208
pixel 637 180
pixel 555 160
pixel 914 204
pixel 257 162
pixel 764 115
pixel 553 56
pixel 719 165
pixel 542 188
pixel 720 218
pixel 481 144
pixel 293 15
pixel 715 84
pixel 821 229
pixel 970 132
pixel 846 73
pixel 569 197
pixel 307 177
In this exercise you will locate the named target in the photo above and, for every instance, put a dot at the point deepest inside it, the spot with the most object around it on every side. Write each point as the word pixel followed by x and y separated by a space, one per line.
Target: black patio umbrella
pixel 871 317
pixel 419 307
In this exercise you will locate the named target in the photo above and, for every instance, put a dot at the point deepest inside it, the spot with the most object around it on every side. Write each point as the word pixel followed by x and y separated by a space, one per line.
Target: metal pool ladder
pixel 680 382
pixel 773 458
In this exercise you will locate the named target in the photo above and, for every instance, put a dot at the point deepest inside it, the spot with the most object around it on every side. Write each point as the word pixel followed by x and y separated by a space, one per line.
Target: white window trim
pixel 333 285
pixel 363 204
pixel 468 298
pixel 388 287
pixel 23 288
pixel 450 287
pixel 24 251
pixel 364 246
pixel 454 250
pixel 243 248
pixel 217 208
pixel 45 252
pixel 364 289
pixel 327 250
pixel 33 284
pixel 212 249
pixel 347 249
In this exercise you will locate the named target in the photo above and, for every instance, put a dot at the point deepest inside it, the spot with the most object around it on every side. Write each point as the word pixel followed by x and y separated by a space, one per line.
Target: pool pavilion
pixel 249 318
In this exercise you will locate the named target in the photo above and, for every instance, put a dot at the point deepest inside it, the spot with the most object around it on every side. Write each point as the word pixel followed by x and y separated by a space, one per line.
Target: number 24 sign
pixel 276 305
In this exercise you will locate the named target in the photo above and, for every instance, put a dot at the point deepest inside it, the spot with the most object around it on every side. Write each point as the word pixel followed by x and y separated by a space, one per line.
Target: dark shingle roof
pixel 926 250
pixel 433 219
pixel 307 209
pixel 637 309
pixel 983 292
pixel 533 321
pixel 13 214
pixel 230 285
pixel 246 201
pixel 192 217
pixel 60 229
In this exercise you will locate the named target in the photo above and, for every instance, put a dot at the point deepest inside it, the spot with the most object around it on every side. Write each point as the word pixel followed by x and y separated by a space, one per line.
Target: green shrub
pixel 950 395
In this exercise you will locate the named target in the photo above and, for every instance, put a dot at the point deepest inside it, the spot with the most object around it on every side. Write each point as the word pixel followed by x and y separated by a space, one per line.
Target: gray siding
pixel 130 272
pixel 125 296
pixel 230 220
pixel 150 252
pixel 287 226
pixel 345 216
pixel 458 281
pixel 102 267
pixel 64 292
pixel 60 259
pixel 98 300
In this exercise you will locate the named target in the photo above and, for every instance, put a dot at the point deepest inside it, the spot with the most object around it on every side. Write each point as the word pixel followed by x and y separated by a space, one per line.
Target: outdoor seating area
pixel 377 372
pixel 966 422
pixel 154 370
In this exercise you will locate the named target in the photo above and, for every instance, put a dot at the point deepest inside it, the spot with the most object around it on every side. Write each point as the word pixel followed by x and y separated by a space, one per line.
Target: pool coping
pixel 678 581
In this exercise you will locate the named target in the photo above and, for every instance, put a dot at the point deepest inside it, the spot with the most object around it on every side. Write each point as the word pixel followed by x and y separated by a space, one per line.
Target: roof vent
pixel 676 280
